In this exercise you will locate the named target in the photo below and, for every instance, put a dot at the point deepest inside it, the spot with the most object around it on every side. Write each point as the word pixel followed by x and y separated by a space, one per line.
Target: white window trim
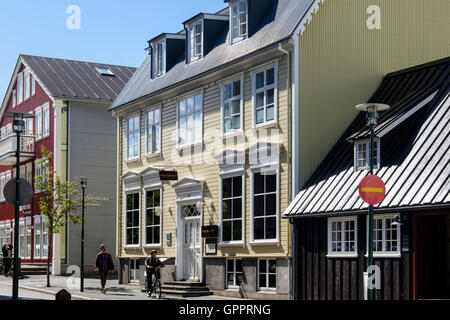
pixel 138 245
pixel 252 234
pixel 28 225
pixel 44 221
pixel 226 176
pixel 153 154
pixel 37 220
pixel 258 285
pixel 26 92
pixel 238 38
pixel 22 223
pixel 39 135
pixel 342 254
pixel 253 73
pixel 33 86
pixel 159 244
pixel 233 132
pixel 234 286
pixel 139 135
pixel 14 98
pixel 20 76
pixel 384 254
pixel 155 60
pixel 179 146
pixel 45 107
pixel 191 49
pixel 366 142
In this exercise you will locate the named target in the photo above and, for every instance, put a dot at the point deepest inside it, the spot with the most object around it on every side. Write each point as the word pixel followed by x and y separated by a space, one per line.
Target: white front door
pixel 192 244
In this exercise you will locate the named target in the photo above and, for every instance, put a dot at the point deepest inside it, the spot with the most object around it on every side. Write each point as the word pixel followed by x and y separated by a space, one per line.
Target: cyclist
pixel 152 266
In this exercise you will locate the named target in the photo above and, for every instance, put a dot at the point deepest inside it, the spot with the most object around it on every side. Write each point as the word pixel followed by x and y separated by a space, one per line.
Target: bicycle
pixel 156 286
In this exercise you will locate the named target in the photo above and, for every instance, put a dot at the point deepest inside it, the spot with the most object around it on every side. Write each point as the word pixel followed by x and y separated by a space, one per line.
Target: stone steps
pixel 185 289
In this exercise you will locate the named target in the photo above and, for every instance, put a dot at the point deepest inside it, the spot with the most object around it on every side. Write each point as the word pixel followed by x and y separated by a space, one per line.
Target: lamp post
pixel 18 128
pixel 83 183
pixel 371 110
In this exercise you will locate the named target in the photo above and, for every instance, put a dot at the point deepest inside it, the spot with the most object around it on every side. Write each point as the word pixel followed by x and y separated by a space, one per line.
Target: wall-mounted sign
pixel 26 209
pixel 210 232
pixel 211 247
pixel 168 175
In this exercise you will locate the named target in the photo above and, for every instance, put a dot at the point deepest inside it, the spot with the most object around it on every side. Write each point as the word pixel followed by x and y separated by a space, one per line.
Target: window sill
pixel 385 255
pixel 232 244
pixel 231 134
pixel 133 160
pixel 153 155
pixel 265 242
pixel 342 255
pixel 134 246
pixel 266 125
pixel 267 291
pixel 150 246
pixel 180 148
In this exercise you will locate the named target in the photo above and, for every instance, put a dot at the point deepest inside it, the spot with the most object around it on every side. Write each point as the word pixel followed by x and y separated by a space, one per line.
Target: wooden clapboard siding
pixel 320 277
pixel 209 171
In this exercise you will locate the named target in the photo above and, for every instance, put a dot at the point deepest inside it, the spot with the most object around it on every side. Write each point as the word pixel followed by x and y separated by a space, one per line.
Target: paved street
pixel 35 287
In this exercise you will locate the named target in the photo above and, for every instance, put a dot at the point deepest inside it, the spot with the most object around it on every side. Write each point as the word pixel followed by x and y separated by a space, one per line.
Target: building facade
pixel 68 100
pixel 411 225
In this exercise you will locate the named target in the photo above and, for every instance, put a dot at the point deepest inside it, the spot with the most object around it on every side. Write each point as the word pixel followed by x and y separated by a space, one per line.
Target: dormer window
pixel 362 154
pixel 196 40
pixel 238 20
pixel 159 63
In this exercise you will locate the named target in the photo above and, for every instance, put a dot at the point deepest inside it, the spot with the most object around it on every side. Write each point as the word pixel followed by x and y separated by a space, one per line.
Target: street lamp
pixel 83 183
pixel 18 128
pixel 371 110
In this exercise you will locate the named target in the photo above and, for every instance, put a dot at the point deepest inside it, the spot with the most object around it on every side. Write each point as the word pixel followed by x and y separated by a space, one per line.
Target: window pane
pixel 236 106
pixel 227 92
pixel 259 80
pixel 237 186
pixel 270 113
pixel 182 107
pixel 258 183
pixel 262 266
pixel 230 279
pixel 270 74
pixel 237 208
pixel 258 206
pixel 270 96
pixel 236 88
pixel 259 116
pixel 226 209
pixel 226 232
pixel 198 102
pixel 271 204
pixel 238 265
pixel 272 281
pixel 271 182
pixel 226 109
pixel 237 230
pixel 259 99
pixel 259 228
pixel 271 228
pixel 236 122
pixel 226 187
pixel 262 280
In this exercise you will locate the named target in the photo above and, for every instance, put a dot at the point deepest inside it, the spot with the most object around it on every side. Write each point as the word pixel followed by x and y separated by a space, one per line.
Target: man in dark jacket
pixel 104 263
pixel 6 251
pixel 152 265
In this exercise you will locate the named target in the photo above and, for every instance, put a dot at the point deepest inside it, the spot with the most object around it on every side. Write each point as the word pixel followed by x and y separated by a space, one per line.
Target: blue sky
pixel 112 31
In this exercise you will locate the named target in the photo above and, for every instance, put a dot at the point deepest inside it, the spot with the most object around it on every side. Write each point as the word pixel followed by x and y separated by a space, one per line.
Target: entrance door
pixel 134 270
pixel 192 244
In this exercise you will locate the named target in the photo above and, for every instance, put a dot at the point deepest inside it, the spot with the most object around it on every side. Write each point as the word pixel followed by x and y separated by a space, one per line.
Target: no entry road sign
pixel 372 190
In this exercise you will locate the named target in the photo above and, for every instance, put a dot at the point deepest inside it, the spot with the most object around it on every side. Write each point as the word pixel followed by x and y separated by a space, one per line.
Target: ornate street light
pixel 83 183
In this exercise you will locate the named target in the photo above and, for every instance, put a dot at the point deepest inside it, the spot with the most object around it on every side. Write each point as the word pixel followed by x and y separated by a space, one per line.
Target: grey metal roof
pixel 79 80
pixel 415 154
pixel 279 23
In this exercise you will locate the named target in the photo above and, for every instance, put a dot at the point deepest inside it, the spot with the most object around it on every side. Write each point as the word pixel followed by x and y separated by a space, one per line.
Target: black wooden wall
pixel 322 278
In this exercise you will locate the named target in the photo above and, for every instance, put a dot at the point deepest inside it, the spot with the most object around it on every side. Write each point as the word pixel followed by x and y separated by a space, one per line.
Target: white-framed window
pixel 133 137
pixel 232 209
pixel 196 40
pixel 29 127
pixel 4 179
pixel 232 106
pixel 27 84
pixel 152 220
pixel 386 236
pixel 134 270
pixel 342 236
pixel 22 238
pixel 362 154
pixel 33 86
pixel 44 247
pixel 159 58
pixel 46 120
pixel 2 234
pixel 154 131
pixel 238 20
pixel 14 98
pixel 28 238
pixel 20 88
pixel 234 273
pixel 190 120
pixel 265 205
pixel 267 274
pixel 265 95
pixel 132 219
pixel 37 172
pixel 37 238
pixel 38 121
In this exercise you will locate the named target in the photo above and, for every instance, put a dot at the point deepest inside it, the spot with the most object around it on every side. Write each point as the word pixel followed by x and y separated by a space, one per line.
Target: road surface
pixel 6 293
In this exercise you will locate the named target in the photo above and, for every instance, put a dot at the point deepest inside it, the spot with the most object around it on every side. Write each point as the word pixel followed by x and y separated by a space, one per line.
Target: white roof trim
pixel 406 115
pixel 308 17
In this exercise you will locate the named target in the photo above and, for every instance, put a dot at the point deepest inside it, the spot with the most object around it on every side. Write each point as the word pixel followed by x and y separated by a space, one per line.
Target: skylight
pixel 104 71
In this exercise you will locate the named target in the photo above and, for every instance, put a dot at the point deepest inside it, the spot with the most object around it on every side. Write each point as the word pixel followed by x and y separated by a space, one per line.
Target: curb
pixel 49 292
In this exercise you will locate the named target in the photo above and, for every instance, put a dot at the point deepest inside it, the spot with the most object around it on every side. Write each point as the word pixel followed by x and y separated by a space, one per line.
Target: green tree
pixel 58 201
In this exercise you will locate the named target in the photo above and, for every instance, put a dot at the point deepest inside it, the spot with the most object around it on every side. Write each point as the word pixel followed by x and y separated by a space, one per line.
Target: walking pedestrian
pixel 104 263
pixel 7 253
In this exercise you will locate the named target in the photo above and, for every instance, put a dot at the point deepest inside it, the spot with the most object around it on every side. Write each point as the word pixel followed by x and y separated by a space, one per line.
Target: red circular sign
pixel 372 190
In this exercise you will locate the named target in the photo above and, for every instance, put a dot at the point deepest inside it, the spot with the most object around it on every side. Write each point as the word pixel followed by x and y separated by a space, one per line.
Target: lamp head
pixel 397 221
pixel 83 182
pixel 199 206
pixel 158 211
pixel 372 110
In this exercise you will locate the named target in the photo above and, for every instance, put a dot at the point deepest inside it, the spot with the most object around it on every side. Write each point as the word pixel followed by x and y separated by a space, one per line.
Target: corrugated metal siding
pixel 342 63
pixel 415 156
pixel 208 172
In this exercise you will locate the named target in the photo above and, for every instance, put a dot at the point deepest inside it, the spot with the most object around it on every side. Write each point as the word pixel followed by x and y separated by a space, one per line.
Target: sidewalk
pixel 115 291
